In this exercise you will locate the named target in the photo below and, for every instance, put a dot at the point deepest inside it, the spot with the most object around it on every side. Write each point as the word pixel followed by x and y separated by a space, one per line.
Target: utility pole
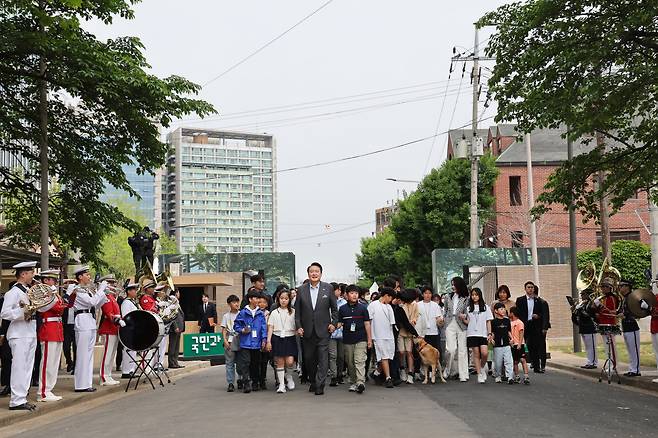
pixel 43 162
pixel 475 159
pixel 573 251
pixel 531 205
pixel 653 226
pixel 603 206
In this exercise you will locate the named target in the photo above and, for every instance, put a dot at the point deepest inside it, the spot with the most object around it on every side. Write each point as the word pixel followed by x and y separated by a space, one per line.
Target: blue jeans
pixel 230 365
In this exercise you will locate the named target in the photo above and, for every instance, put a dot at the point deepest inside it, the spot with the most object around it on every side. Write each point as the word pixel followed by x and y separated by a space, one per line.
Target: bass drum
pixel 143 330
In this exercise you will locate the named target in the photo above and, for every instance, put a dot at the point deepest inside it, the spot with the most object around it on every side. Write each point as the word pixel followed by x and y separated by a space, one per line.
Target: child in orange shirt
pixel 518 347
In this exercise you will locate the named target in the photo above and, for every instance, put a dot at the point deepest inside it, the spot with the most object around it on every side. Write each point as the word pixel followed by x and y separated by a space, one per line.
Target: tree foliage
pixel 630 257
pixel 104 109
pixel 436 215
pixel 589 65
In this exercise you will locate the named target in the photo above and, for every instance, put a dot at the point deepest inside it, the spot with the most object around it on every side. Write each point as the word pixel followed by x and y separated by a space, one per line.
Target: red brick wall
pixel 553 228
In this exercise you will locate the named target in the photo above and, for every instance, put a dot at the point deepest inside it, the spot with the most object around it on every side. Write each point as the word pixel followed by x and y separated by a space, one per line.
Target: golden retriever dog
pixel 429 357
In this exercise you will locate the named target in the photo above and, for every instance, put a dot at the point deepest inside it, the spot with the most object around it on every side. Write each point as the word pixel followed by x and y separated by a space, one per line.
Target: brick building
pixel 510 226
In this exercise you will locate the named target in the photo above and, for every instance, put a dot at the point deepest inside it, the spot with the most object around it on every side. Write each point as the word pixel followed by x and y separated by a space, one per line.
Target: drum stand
pixel 609 368
pixel 144 367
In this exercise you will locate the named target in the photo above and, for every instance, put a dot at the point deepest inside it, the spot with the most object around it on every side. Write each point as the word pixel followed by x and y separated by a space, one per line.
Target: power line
pixel 258 111
pixel 327 233
pixel 438 122
pixel 263 47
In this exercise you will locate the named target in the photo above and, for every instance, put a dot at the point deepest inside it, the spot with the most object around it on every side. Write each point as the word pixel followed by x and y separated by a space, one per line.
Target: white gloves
pixel 102 287
pixel 644 305
pixel 122 323
pixel 597 302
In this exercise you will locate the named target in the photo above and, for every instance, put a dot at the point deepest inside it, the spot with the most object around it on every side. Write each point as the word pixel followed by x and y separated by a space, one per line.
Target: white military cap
pixel 24 265
pixel 81 270
pixel 132 286
pixel 108 278
pixel 50 273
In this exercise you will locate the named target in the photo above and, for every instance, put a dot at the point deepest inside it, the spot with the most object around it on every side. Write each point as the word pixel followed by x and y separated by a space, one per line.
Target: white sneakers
pixel 410 379
pixel 353 388
pixel 290 383
pixel 50 397
pixel 403 375
pixel 110 382
pixel 281 389
pixel 482 377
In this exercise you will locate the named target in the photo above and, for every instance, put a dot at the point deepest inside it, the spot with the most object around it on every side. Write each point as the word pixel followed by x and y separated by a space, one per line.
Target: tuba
pixel 586 277
pixel 40 295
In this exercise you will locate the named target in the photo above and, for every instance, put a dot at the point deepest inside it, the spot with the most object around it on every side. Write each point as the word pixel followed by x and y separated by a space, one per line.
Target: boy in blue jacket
pixel 252 327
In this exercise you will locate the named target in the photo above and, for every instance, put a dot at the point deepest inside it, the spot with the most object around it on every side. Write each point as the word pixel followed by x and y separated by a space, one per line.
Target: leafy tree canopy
pixel 436 215
pixel 104 109
pixel 590 65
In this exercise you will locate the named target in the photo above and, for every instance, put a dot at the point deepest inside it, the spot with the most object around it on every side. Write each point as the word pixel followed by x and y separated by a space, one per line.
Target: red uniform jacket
pixel 147 302
pixel 654 320
pixel 52 331
pixel 610 302
pixel 110 310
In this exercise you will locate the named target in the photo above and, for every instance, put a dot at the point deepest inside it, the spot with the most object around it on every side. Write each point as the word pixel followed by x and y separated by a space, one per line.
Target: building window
pixel 517 239
pixel 619 235
pixel 514 190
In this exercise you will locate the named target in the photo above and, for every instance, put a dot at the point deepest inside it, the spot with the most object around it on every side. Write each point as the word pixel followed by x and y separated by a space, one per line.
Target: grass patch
pixel 647 357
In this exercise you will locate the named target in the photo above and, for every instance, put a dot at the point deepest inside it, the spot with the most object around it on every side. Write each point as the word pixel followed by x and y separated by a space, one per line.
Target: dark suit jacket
pixel 211 312
pixel 325 313
pixel 522 306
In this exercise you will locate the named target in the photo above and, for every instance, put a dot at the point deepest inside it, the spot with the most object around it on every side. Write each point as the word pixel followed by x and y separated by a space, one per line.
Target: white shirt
pixel 429 312
pixel 12 311
pixel 127 306
pixel 282 322
pixel 381 320
pixel 314 293
pixel 477 322
pixel 228 320
pixel 83 301
pixel 531 306
pixel 455 302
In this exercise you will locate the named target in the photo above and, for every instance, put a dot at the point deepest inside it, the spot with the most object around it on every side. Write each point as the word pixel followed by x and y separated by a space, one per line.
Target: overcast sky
pixel 350 47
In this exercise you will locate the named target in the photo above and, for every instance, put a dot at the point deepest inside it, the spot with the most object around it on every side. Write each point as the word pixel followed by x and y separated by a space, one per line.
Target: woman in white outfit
pixel 455 316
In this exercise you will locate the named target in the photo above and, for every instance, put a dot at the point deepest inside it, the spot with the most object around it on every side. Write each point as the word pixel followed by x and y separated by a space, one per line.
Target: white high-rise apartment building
pixel 219 190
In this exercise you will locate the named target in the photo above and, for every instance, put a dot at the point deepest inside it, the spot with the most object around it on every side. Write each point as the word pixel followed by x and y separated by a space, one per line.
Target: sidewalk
pixel 64 388
pixel 572 363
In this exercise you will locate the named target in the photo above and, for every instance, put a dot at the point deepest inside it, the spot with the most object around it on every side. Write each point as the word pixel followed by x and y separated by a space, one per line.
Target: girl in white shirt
pixel 478 333
pixel 281 340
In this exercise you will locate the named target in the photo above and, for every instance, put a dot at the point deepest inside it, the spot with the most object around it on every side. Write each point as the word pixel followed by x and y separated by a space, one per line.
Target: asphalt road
pixel 555 404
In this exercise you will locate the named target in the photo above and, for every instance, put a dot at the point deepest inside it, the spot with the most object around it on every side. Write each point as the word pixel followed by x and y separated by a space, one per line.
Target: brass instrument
pixel 40 295
pixel 586 277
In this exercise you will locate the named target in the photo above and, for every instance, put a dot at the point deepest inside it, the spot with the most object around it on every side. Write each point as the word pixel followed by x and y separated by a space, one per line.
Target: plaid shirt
pixel 448 310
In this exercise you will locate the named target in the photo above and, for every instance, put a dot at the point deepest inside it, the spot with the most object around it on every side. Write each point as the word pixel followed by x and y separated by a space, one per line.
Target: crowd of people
pixel 343 334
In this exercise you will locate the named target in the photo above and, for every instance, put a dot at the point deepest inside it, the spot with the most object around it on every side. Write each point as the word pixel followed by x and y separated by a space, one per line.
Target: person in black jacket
pixel 545 326
pixel 583 317
pixel 5 355
pixel 530 312
pixel 207 316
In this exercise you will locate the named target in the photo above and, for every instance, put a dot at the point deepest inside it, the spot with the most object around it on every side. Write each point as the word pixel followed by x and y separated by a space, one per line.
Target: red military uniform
pixel 654 320
pixel 147 302
pixel 51 338
pixel 110 310
pixel 51 329
pixel 608 302
pixel 108 332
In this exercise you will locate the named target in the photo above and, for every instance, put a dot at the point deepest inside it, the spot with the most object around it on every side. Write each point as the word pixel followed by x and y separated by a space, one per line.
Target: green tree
pixel 166 244
pixel 203 259
pixel 436 215
pixel 630 257
pixel 589 65
pixel 377 259
pixel 101 110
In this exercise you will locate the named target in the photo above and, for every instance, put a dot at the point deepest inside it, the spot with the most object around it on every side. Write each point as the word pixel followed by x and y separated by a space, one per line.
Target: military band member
pixel 68 319
pixel 582 316
pixel 653 328
pixel 109 332
pixel 84 308
pixel 606 314
pixel 128 305
pixel 51 338
pixel 161 291
pixel 147 301
pixel 21 335
pixel 631 331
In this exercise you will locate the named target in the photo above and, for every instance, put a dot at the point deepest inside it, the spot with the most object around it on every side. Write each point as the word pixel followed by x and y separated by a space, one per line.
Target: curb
pixel 48 408
pixel 642 383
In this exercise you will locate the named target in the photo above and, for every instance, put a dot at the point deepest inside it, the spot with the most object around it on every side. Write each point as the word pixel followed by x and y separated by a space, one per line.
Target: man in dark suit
pixel 545 326
pixel 316 315
pixel 175 332
pixel 530 312
pixel 207 316
pixel 5 355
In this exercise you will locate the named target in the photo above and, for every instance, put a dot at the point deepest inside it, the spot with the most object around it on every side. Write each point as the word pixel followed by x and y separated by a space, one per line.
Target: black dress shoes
pixel 334 382
pixel 23 407
pixel 86 390
pixel 5 391
pixel 319 390
pixel 311 388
